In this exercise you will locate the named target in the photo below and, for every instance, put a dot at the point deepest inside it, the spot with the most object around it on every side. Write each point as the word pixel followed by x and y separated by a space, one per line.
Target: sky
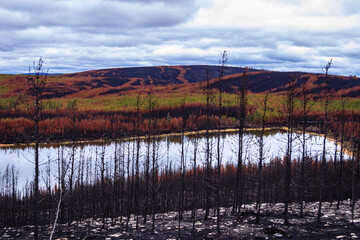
pixel 79 35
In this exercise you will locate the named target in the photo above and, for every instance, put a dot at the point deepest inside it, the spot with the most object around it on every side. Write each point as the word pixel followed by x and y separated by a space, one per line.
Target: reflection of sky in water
pixel 169 150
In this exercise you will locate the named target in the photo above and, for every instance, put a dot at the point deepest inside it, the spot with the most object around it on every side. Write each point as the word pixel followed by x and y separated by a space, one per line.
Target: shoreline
pixel 175 134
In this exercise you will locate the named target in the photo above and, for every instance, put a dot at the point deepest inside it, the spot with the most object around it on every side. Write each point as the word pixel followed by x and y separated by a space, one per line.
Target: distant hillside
pixel 168 79
pixel 277 82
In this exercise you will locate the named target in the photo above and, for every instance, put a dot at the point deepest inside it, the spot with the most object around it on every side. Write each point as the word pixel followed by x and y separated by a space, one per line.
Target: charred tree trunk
pixel 305 109
pixel 137 160
pixel 208 145
pixel 223 65
pixel 193 204
pixel 35 88
pixel 102 182
pixel 182 165
pixel 115 185
pixel 73 109
pixel 289 108
pixel 342 139
pixel 261 157
pixel 323 159
pixel 238 191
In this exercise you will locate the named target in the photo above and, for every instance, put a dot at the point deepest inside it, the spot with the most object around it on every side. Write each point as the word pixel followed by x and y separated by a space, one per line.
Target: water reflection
pixel 168 151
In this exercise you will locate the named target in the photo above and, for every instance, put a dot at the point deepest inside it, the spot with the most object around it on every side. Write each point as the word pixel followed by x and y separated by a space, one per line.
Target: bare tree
pixel 182 170
pixel 208 145
pixel 289 111
pixel 115 183
pixel 353 179
pixel 243 99
pixel 223 65
pixel 306 105
pixel 102 176
pixel 74 114
pixel 62 170
pixel 261 158
pixel 193 208
pixel 325 130
pixel 137 159
pixel 35 89
pixel 342 142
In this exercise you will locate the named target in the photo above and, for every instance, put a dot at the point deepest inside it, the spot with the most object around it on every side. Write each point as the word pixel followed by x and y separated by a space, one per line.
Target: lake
pixel 168 152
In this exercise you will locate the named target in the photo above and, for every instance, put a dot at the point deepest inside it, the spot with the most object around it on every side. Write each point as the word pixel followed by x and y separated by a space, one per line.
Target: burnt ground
pixel 336 224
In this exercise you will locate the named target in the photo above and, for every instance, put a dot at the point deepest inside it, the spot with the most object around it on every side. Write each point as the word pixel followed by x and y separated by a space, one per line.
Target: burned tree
pixel 261 158
pixel 342 142
pixel 289 111
pixel 325 130
pixel 223 65
pixel 182 170
pixel 306 105
pixel 137 159
pixel 243 99
pixel 35 89
pixel 208 143
pixel 73 113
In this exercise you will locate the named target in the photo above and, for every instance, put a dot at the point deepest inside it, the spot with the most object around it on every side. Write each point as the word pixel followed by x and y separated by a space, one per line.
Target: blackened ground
pixel 336 224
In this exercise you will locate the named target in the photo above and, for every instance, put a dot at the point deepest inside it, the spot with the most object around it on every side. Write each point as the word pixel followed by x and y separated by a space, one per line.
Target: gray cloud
pixel 81 35
pixel 85 15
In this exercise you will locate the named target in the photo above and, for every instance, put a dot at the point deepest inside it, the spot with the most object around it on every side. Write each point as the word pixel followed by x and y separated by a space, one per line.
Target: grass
pixel 4 89
pixel 352 104
pixel 5 76
pixel 128 102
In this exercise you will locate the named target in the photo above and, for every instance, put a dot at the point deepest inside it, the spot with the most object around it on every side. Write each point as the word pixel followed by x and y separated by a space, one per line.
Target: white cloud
pixel 272 15
pixel 91 34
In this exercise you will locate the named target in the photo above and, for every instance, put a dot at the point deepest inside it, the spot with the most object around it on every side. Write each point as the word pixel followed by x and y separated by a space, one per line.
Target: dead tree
pixel 223 65
pixel 73 112
pixel 48 189
pixel 261 158
pixel 102 176
pixel 152 104
pixel 154 177
pixel 115 184
pixel 14 185
pixel 208 143
pixel 357 143
pixel 35 89
pixel 354 166
pixel 62 171
pixel 243 99
pixel 353 179
pixel 193 208
pixel 154 159
pixel 182 170
pixel 289 111
pixel 306 105
pixel 342 142
pixel 137 159
pixel 325 130
pixel 129 204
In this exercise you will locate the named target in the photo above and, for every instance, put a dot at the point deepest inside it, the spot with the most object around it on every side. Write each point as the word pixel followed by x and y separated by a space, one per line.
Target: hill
pixel 169 79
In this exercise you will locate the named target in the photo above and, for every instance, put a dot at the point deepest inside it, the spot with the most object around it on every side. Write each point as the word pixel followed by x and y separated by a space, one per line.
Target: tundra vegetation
pixel 135 188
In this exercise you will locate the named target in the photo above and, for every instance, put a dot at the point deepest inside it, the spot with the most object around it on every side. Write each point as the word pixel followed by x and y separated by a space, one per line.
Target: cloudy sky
pixel 77 35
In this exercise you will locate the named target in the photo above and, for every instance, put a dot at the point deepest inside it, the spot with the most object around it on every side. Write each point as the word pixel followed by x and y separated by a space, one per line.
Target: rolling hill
pixel 171 79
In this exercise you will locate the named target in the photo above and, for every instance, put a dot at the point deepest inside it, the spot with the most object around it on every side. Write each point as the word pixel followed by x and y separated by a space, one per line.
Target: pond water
pixel 168 150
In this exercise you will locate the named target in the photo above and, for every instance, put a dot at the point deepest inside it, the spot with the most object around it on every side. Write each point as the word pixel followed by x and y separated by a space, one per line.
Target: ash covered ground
pixel 336 224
